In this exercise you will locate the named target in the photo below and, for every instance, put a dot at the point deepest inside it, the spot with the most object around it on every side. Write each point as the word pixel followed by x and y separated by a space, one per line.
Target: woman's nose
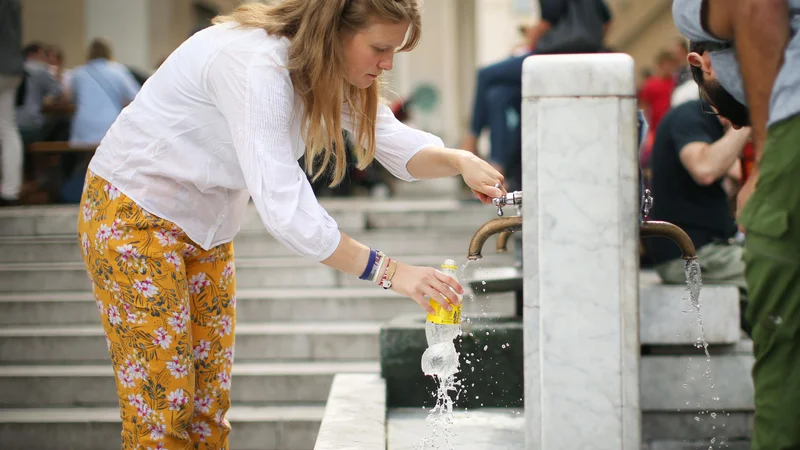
pixel 386 63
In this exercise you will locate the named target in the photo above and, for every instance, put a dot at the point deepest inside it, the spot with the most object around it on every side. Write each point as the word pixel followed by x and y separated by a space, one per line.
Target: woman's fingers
pixel 485 199
pixel 424 303
pixel 450 286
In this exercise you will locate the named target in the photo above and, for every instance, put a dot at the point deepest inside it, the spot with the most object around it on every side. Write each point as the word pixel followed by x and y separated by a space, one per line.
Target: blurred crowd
pixel 69 108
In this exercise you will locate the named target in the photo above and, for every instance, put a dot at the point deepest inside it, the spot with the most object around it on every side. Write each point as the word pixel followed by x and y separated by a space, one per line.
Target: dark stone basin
pixel 493 378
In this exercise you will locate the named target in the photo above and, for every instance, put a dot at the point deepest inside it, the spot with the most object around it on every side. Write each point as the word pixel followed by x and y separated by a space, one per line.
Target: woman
pixel 226 118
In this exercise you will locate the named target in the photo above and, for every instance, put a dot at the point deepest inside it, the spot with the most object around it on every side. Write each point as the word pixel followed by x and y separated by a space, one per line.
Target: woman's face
pixel 368 52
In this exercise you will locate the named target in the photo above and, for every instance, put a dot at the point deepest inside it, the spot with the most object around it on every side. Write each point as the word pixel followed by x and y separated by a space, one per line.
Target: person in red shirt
pixel 655 94
pixel 654 99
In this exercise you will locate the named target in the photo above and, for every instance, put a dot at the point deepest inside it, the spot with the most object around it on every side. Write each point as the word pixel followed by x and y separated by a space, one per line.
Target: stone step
pixel 289 427
pixel 351 215
pixel 318 341
pixel 253 244
pixel 667 317
pixel 94 385
pixel 694 445
pixel 250 273
pixel 727 426
pixel 252 305
pixel 691 383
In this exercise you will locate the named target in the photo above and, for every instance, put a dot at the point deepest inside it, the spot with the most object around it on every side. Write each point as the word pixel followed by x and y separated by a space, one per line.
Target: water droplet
pixel 485 347
pixel 487 333
pixel 696 419
pixel 503 346
pixel 483 282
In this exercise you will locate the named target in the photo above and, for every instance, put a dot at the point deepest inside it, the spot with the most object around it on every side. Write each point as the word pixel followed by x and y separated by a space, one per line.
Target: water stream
pixel 694 283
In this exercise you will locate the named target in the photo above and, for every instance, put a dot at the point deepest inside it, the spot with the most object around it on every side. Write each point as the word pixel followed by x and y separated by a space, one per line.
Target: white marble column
pixel 580 251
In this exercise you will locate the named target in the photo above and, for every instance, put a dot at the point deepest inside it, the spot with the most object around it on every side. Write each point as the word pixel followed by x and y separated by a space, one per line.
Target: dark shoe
pixel 4 202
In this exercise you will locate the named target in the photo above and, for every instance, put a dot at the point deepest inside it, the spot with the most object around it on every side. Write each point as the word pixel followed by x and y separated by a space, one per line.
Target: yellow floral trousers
pixel 168 310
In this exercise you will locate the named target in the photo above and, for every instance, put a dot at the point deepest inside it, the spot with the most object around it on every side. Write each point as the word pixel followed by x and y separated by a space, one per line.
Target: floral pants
pixel 168 310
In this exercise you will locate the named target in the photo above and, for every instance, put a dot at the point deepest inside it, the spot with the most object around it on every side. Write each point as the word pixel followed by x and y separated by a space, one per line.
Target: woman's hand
pixel 417 282
pixel 481 177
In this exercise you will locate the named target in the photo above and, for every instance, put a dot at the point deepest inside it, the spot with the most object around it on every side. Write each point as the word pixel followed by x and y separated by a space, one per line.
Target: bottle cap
pixel 449 264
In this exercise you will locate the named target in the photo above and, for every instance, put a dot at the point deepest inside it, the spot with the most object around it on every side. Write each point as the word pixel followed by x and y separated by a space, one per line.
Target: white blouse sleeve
pixel 256 97
pixel 396 143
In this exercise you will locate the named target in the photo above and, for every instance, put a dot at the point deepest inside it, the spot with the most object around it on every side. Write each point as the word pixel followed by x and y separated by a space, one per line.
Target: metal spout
pixel 490 228
pixel 668 230
pixel 502 241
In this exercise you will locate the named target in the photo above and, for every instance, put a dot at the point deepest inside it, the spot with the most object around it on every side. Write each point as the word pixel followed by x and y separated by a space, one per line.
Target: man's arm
pixel 707 163
pixel 760 29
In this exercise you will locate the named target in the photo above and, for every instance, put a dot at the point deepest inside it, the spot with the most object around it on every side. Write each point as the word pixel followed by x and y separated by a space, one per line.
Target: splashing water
pixel 440 418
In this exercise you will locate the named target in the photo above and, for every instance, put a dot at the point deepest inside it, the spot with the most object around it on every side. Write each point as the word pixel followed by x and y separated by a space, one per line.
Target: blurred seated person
pixel 693 152
pixel 100 90
pixel 39 87
pixel 55 58
pixel 503 80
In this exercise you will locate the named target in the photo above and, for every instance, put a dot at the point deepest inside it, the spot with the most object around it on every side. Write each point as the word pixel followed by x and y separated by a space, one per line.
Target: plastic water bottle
pixel 441 328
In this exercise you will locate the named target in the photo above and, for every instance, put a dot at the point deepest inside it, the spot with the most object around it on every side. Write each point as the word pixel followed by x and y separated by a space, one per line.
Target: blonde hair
pixel 316 67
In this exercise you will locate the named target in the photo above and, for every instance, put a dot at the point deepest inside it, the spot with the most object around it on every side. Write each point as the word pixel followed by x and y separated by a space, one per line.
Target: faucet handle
pixel 511 198
pixel 647 204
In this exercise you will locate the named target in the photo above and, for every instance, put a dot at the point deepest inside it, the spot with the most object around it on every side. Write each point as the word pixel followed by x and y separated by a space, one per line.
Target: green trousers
pixel 772 271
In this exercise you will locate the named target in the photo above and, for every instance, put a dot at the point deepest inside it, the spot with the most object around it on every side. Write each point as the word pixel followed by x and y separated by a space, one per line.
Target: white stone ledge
pixel 597 75
pixel 355 415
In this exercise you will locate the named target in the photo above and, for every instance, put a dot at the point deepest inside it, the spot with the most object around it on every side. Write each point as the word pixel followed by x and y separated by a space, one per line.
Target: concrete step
pixel 691 383
pixel 250 273
pixel 252 305
pixel 94 385
pixel 290 427
pixel 350 214
pixel 252 244
pixel 318 341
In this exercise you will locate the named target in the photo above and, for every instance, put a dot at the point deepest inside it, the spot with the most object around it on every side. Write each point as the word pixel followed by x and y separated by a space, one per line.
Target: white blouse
pixel 220 122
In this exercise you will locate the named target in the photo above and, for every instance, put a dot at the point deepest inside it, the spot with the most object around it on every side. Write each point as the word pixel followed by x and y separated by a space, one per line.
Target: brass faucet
pixel 668 230
pixel 504 226
pixel 488 229
pixel 502 241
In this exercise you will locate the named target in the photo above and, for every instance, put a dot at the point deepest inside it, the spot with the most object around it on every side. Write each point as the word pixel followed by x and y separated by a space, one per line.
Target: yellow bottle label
pixel 443 316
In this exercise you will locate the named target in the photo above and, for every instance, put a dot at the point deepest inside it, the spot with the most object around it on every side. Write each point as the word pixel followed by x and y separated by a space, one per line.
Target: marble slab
pixel 581 319
pixel 480 429
pixel 355 414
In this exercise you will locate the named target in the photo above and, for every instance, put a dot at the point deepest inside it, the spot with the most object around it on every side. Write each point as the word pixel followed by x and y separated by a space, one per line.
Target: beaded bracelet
pixel 380 268
pixel 386 279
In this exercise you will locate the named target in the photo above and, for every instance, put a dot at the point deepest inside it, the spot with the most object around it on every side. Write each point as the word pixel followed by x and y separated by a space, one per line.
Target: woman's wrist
pixel 459 158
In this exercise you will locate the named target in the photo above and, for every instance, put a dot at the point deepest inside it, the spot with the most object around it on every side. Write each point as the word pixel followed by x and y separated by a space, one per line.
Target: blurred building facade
pixel 459 36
